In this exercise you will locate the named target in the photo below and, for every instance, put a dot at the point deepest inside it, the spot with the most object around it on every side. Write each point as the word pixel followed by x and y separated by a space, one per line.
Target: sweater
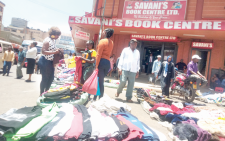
pixel 104 49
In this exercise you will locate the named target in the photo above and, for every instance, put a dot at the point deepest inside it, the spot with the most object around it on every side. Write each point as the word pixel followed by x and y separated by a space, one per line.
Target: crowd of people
pixel 127 65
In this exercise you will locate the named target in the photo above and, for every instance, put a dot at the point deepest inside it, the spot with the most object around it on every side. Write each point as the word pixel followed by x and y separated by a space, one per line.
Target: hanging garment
pixel 87 127
pixel 78 72
pixel 13 120
pixel 65 123
pixel 37 123
pixel 48 127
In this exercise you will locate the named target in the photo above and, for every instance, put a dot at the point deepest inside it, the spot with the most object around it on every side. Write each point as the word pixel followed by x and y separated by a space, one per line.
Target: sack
pixel 90 86
pixel 98 90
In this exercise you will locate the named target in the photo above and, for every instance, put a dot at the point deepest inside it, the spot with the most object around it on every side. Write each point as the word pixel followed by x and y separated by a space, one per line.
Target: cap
pixel 159 56
pixel 133 40
pixel 196 57
pixel 20 47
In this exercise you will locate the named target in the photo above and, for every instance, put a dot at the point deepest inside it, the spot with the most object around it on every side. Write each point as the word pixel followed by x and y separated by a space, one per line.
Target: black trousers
pixel 165 84
pixel 149 67
pixel 103 69
pixel 47 72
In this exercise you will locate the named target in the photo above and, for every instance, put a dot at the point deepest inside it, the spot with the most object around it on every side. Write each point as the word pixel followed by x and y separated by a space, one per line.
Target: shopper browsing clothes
pixel 129 66
pixel 8 59
pixel 104 51
pixel 192 71
pixel 31 56
pixel 167 74
pixel 155 68
pixel 46 60
pixel 20 63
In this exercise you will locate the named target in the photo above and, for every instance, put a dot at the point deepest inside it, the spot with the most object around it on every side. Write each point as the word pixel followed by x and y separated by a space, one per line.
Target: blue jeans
pixel 6 63
pixel 103 69
pixel 47 72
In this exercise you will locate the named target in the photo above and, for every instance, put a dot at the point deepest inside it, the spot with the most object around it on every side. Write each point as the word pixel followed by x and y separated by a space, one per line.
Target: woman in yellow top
pixel 88 60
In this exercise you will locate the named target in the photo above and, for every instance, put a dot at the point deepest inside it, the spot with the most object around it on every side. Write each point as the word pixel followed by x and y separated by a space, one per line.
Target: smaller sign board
pixel 154 38
pixel 202 45
pixel 82 35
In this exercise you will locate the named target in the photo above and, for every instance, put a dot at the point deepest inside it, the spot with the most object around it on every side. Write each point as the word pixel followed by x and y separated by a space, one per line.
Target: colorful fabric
pixel 78 72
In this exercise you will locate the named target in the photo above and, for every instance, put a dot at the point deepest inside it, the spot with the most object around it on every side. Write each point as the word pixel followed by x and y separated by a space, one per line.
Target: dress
pixel 166 80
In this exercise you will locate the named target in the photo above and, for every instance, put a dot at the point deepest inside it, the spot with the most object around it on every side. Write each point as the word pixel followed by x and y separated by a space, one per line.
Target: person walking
pixel 8 59
pixel 167 74
pixel 155 68
pixel 150 61
pixel 20 63
pixel 37 68
pixel 104 51
pixel 129 66
pixel 31 56
pixel 46 60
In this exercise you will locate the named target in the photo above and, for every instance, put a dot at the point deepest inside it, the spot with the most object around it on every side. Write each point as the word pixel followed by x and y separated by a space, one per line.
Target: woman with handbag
pixel 46 61
pixel 104 50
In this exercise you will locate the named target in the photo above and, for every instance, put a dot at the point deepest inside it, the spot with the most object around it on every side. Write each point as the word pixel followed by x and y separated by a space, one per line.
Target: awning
pixel 182 29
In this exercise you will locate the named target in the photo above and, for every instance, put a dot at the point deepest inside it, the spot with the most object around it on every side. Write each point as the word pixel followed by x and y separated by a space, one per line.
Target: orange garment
pixel 104 48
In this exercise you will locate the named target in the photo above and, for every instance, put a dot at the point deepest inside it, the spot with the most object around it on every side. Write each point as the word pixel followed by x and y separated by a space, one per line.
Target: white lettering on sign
pixel 150 24
pixel 202 45
pixel 154 38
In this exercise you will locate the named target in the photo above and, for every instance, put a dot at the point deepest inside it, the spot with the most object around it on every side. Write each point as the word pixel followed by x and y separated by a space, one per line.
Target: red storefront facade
pixel 164 37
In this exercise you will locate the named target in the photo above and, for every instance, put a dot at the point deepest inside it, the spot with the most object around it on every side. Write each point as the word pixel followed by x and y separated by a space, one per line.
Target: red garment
pixel 135 132
pixel 187 109
pixel 160 105
pixel 77 126
pixel 78 72
pixel 222 139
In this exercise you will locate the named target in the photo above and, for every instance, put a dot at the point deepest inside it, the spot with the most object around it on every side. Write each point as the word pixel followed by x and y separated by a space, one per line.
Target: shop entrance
pixel 156 48
pixel 203 64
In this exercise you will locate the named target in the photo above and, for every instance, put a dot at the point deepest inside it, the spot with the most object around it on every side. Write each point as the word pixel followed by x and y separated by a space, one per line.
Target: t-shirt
pixel 181 65
pixel 37 123
pixel 13 120
pixel 32 53
pixel 86 55
pixel 21 56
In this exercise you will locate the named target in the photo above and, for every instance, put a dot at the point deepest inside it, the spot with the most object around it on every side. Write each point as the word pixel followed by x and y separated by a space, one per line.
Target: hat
pixel 20 47
pixel 134 40
pixel 196 57
pixel 159 56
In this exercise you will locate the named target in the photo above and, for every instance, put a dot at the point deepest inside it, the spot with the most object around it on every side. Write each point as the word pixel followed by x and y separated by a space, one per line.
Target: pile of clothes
pixel 218 98
pixel 112 83
pixel 73 122
pixel 186 121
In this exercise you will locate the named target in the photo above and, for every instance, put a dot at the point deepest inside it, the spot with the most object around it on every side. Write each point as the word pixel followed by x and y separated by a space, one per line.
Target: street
pixel 16 93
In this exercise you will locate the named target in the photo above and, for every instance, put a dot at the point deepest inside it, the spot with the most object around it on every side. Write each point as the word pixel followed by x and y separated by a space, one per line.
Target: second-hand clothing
pixel 47 72
pixel 103 69
pixel 166 80
pixel 129 63
pixel 130 77
pixel 129 60
pixel 155 69
pixel 21 56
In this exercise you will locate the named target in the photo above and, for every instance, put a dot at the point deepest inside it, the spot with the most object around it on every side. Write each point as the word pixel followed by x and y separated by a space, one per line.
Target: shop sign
pixel 155 10
pixel 82 35
pixel 148 24
pixel 154 38
pixel 202 45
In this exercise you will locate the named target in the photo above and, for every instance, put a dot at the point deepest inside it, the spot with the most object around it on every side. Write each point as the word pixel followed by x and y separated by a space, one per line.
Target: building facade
pixel 18 22
pixel 2 5
pixel 180 28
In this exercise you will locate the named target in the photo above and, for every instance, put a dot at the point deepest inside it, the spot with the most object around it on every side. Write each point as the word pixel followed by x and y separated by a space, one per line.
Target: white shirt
pixel 150 59
pixel 129 60
pixel 32 53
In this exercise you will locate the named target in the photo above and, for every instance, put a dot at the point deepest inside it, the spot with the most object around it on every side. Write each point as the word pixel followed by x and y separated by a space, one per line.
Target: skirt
pixel 30 65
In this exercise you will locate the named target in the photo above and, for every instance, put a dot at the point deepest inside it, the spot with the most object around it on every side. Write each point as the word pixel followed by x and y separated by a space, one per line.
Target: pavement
pixel 16 93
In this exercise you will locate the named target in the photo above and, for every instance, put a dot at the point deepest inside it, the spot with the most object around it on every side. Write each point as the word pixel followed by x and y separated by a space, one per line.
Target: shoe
pixel 7 74
pixel 19 77
pixel 198 93
pixel 130 101
pixel 27 80
pixel 3 74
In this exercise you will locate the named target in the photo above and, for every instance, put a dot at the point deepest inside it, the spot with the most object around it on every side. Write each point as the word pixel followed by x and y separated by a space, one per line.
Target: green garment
pixel 37 123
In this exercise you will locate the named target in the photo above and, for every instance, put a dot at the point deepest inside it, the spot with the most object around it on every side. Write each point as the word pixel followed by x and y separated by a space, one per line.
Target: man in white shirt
pixel 129 66
pixel 150 64
pixel 155 68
